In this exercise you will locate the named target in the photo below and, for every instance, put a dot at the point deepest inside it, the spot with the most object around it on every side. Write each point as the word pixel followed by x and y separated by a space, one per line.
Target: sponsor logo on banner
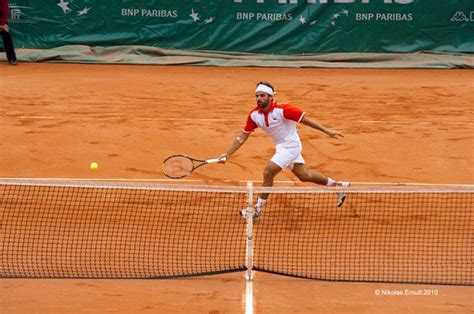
pixel 460 16
pixel 78 10
pixel 386 17
pixel 339 17
pixel 264 16
pixel 156 13
pixel 18 14
pixel 194 15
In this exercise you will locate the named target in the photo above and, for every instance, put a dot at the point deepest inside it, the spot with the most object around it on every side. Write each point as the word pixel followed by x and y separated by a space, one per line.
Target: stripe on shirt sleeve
pixel 302 116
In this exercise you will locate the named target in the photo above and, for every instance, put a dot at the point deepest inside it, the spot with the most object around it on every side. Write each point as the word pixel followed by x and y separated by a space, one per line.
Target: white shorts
pixel 286 157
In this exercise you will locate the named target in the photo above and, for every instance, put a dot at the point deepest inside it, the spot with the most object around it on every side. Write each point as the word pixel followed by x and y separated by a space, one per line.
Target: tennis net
pixel 54 229
pixel 87 230
pixel 381 234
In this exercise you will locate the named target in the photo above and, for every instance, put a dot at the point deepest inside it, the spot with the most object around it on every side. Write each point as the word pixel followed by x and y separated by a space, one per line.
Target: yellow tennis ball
pixel 94 166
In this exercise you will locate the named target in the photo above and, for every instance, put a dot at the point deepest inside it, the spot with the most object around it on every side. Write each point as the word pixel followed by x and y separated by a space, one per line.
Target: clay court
pixel 399 126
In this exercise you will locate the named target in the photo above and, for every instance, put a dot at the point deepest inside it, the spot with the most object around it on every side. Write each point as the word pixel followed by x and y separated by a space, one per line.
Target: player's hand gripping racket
pixel 180 166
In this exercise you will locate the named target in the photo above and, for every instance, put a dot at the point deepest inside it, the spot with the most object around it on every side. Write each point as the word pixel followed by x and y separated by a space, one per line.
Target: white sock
pixel 259 203
pixel 331 182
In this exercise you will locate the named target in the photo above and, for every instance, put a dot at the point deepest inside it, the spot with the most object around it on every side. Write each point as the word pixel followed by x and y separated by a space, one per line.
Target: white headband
pixel 264 88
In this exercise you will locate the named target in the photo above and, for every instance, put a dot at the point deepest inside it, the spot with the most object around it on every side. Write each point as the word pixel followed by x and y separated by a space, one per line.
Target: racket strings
pixel 178 167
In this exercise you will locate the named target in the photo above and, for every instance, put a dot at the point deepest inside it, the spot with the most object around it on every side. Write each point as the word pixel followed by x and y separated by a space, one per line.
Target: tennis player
pixel 279 121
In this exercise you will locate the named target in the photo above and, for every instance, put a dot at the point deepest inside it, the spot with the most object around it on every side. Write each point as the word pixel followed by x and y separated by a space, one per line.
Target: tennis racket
pixel 180 166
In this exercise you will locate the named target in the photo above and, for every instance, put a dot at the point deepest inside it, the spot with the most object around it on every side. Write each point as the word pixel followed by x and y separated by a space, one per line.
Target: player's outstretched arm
pixel 318 126
pixel 238 141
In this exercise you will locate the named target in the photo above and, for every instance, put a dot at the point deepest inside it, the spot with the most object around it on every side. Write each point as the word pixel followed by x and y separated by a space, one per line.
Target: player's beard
pixel 263 104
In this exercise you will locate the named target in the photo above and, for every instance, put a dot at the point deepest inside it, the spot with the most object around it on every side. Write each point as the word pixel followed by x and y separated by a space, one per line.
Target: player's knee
pixel 268 173
pixel 305 177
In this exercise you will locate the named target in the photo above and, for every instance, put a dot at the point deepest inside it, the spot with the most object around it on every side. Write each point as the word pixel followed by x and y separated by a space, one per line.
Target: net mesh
pixel 86 230
pixel 118 232
pixel 415 235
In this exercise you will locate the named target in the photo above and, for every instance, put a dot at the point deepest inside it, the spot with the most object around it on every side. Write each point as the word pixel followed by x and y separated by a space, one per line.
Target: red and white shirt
pixel 279 122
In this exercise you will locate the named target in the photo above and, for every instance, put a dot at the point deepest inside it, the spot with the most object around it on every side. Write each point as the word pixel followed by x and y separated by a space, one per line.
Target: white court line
pixel 410 184
pixel 239 119
pixel 136 118
pixel 249 297
pixel 412 123
pixel 228 181
pixel 107 179
pixel 36 117
pixel 189 119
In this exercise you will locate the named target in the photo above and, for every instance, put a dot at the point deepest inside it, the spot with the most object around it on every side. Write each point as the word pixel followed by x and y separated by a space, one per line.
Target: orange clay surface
pixel 399 126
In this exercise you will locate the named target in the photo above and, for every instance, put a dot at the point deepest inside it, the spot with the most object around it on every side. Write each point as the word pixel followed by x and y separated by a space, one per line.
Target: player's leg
pixel 8 45
pixel 306 175
pixel 269 174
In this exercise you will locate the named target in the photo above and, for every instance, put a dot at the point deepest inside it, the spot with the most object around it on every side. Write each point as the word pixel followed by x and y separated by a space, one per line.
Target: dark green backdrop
pixel 274 26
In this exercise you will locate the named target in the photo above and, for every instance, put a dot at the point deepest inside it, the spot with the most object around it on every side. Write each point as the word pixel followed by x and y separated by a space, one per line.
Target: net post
pixel 250 212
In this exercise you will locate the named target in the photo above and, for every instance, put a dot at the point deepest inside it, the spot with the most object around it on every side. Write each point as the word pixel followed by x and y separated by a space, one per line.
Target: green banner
pixel 283 27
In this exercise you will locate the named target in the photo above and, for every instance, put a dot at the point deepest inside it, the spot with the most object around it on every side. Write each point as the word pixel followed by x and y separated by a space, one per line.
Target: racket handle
pixel 216 160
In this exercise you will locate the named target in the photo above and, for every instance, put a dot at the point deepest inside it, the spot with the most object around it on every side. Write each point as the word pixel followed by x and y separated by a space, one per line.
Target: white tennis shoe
pixel 256 214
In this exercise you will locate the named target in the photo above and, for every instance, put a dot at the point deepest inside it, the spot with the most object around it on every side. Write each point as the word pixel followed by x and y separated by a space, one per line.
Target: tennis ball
pixel 94 166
